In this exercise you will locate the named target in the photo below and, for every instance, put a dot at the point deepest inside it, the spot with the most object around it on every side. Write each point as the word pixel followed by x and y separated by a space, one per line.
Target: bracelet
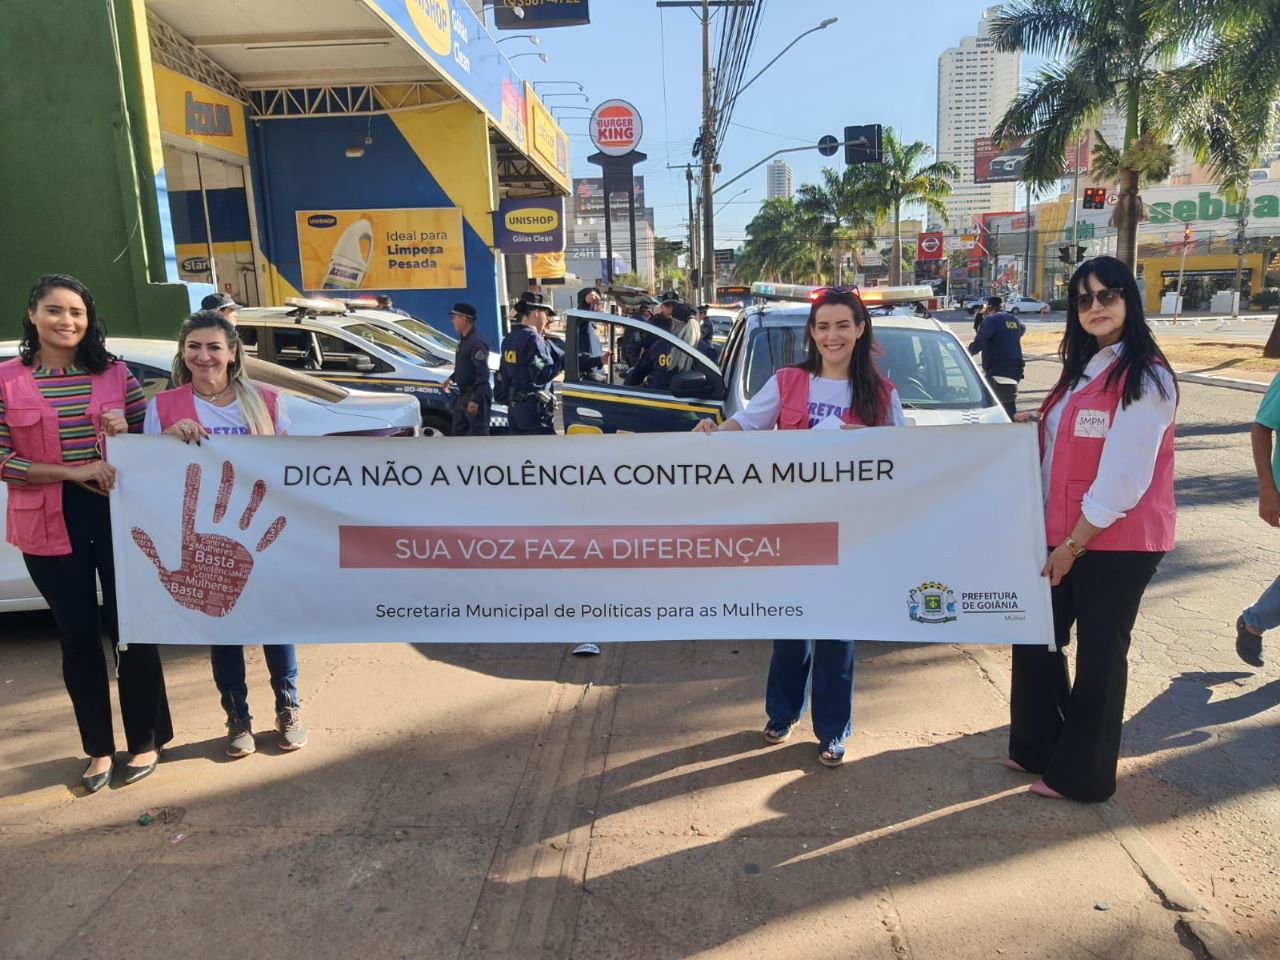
pixel 1077 551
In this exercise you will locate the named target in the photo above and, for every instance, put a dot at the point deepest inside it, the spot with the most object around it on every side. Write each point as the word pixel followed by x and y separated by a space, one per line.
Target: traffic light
pixel 1066 256
pixel 1186 233
pixel 862 144
pixel 1095 198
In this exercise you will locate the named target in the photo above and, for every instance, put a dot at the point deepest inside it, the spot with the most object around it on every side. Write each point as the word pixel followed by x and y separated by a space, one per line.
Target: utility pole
pixel 1240 228
pixel 1026 254
pixel 708 161
pixel 1182 263
pixel 693 226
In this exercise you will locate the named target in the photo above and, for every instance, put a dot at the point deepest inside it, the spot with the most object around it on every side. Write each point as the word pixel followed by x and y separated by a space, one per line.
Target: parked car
pixel 936 378
pixel 322 338
pixel 442 344
pixel 315 409
pixel 1025 305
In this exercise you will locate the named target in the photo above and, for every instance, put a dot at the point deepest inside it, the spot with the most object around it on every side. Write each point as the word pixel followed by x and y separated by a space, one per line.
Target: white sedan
pixel 1025 305
pixel 316 409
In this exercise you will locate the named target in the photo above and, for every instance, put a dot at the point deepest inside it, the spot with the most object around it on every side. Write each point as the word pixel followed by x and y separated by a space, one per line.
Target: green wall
pixel 77 193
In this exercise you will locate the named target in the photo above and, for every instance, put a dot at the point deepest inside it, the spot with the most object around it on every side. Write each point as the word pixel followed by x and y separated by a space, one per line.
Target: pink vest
pixel 34 522
pixel 1149 525
pixel 179 404
pixel 793 389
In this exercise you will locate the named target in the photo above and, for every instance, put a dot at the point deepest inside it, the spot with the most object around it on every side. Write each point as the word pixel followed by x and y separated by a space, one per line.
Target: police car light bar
pixel 878 295
pixel 782 291
pixel 316 304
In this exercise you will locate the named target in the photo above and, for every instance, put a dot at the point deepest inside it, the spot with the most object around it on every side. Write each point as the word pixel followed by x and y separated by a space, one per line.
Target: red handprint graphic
pixel 214 568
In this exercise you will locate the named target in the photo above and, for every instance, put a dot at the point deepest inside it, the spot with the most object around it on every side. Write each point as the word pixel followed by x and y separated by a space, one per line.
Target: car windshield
pixel 395 343
pixel 428 333
pixel 929 367
pixel 295 384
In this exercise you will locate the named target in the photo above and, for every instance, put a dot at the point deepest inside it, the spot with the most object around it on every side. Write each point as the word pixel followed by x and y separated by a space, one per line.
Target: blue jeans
pixel 228 674
pixel 1264 615
pixel 831 662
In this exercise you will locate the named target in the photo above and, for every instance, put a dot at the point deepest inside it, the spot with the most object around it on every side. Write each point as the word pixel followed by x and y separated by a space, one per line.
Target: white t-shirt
pixel 225 421
pixel 827 399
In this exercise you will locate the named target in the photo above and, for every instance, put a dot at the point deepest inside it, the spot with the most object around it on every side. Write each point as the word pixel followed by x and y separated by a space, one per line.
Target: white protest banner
pixel 908 534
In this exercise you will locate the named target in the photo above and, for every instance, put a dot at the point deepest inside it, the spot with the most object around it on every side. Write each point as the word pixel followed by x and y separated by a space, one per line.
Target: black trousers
pixel 527 417
pixel 470 425
pixel 1007 394
pixel 67 584
pixel 1070 732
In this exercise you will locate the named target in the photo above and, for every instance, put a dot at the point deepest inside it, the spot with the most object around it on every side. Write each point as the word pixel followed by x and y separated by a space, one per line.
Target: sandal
pixel 832 755
pixel 774 734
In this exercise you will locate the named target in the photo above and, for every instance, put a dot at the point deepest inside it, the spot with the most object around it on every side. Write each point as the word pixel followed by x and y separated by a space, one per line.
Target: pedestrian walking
pixel 59 400
pixel 1106 470
pixel 1264 614
pixel 999 340
pixel 470 376
pixel 213 397
pixel 529 364
pixel 837 385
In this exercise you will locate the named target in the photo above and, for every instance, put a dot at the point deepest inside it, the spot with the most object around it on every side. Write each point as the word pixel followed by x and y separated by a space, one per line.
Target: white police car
pixel 936 378
pixel 325 339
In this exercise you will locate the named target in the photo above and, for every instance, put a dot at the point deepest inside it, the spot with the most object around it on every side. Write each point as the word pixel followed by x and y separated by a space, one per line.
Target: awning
pixel 337 57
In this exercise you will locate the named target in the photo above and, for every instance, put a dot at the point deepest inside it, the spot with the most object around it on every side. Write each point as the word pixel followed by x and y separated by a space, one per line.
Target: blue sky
pixel 877 64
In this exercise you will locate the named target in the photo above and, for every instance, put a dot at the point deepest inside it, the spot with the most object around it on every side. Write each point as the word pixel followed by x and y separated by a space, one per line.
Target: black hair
pixel 91 352
pixel 586 292
pixel 1139 350
pixel 864 378
pixel 994 302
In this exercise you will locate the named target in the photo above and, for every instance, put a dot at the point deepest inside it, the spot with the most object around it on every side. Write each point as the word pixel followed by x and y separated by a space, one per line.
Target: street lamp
pixel 531 37
pixel 731 199
pixel 822 26
pixel 545 96
pixel 540 56
pixel 546 83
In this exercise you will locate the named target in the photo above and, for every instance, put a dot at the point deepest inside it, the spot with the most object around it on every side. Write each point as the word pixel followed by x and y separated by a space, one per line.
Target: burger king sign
pixel 615 128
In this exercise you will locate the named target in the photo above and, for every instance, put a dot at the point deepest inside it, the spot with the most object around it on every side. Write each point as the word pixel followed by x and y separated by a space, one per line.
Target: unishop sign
pixel 616 128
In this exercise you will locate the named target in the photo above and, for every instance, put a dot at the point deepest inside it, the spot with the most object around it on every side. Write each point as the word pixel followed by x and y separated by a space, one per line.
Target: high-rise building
pixel 778 183
pixel 976 84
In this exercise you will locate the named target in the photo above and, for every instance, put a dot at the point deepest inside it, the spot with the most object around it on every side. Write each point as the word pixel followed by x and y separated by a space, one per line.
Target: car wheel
pixel 1015 310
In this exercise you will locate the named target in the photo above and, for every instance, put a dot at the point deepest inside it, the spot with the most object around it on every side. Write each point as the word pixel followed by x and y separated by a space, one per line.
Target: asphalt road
pixel 1256 326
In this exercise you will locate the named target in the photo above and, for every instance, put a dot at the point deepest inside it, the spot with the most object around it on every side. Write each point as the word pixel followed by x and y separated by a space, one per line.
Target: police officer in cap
pixel 529 364
pixel 470 375
pixel 654 369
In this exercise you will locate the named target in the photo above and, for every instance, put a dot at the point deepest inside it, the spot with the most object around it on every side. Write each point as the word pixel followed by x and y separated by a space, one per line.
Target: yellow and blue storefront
pixel 275 187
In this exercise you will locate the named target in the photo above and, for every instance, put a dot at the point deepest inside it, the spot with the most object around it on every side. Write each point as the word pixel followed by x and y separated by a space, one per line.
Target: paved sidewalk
pixel 503 802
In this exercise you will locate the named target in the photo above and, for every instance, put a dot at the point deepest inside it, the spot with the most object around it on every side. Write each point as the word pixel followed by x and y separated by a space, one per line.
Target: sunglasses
pixel 822 293
pixel 1105 298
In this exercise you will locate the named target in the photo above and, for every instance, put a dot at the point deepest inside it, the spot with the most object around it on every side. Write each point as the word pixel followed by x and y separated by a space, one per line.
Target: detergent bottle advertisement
pixel 409 249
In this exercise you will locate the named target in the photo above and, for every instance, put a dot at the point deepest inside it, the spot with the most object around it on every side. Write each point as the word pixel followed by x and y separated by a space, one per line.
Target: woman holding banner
pixel 1106 442
pixel 836 386
pixel 59 399
pixel 214 397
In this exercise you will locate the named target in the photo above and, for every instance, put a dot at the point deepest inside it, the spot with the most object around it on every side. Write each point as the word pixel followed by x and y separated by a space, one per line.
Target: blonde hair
pixel 252 406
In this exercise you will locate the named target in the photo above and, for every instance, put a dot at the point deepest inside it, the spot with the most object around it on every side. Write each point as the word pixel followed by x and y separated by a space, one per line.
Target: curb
pixel 1217 942
pixel 1204 379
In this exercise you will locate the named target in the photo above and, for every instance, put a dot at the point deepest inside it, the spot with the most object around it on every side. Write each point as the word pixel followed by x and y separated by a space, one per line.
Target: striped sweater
pixel 68 391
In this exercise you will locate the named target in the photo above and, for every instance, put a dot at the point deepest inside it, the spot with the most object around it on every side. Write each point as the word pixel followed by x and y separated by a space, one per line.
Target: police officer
pixel 529 364
pixel 591 353
pixel 470 375
pixel 654 366
pixel 999 340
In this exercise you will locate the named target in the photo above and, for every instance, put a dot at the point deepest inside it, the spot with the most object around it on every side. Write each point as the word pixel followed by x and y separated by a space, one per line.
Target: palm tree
pixel 838 209
pixel 1117 53
pixel 903 178
pixel 779 245
pixel 1225 91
